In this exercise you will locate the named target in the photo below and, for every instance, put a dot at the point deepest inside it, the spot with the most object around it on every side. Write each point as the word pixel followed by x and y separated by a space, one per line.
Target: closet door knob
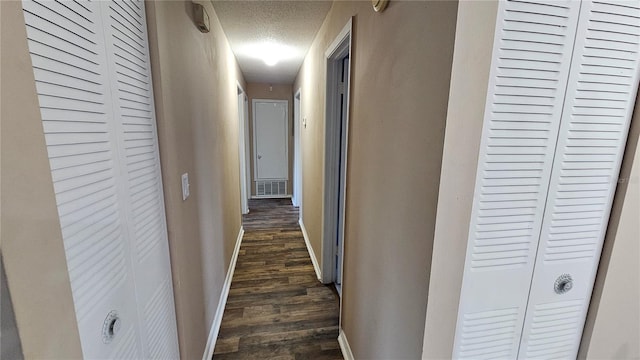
pixel 563 284
pixel 110 327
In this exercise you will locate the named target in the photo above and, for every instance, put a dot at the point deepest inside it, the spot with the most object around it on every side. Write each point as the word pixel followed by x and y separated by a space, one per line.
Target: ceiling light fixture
pixel 270 52
pixel 270 60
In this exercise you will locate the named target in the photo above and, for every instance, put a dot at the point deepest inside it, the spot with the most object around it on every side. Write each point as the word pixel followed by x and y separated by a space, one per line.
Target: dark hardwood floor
pixel 277 309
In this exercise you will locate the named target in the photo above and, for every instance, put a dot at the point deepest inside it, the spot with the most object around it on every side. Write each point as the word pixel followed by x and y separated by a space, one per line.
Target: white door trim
pixel 297 152
pixel 339 48
pixel 242 150
pixel 247 150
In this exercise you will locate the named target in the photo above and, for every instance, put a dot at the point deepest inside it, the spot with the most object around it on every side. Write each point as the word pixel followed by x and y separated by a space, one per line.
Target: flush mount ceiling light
pixel 270 52
pixel 270 59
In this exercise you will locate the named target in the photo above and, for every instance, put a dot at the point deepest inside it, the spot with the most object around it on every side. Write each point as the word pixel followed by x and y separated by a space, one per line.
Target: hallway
pixel 466 173
pixel 277 309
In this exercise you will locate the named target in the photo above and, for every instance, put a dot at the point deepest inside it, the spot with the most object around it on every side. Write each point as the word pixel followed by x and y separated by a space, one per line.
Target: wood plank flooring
pixel 277 309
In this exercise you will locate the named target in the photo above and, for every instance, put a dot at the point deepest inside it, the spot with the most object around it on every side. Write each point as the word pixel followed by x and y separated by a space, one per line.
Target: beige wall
pixel 401 61
pixel 195 77
pixel 612 330
pixel 271 92
pixel 31 240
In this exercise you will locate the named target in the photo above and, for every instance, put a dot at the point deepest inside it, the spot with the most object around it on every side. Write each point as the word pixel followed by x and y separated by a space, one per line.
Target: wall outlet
pixel 185 186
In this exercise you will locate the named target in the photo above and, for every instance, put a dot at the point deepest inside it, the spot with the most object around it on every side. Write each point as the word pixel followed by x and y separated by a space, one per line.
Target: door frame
pixel 297 152
pixel 255 143
pixel 243 145
pixel 338 49
pixel 247 149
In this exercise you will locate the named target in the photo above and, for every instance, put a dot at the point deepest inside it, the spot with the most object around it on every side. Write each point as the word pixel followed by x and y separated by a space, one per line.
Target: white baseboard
pixel 344 346
pixel 217 320
pixel 312 254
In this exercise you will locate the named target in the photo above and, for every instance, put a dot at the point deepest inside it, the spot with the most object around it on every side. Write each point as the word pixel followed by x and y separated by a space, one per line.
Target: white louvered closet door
pixel 67 53
pixel 102 147
pixel 531 57
pixel 600 97
pixel 549 160
pixel 135 123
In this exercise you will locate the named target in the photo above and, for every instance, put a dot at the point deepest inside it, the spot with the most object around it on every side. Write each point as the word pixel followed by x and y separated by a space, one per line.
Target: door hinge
pixel 341 87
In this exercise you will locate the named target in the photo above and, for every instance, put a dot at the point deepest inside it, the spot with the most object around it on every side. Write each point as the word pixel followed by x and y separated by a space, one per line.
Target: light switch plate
pixel 185 186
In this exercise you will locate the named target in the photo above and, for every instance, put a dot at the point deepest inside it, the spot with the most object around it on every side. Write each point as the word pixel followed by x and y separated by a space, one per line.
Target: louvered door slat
pixel 602 89
pixel 68 57
pixel 532 53
pixel 130 72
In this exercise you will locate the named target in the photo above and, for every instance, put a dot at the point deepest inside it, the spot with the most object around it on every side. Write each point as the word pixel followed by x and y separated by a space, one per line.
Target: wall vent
pixel 271 188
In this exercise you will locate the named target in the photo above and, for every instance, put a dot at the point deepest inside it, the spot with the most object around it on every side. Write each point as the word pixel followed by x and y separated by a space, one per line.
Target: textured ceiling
pixel 291 24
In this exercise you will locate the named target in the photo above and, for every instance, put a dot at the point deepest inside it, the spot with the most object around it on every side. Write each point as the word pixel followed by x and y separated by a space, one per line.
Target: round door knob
pixel 259 157
pixel 111 326
pixel 563 284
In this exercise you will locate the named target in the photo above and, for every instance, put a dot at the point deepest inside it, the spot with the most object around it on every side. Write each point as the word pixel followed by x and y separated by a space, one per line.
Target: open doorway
pixel 297 154
pixel 336 136
pixel 243 149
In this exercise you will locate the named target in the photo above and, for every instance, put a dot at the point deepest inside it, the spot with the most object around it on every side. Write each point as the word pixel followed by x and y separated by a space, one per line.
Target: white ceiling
pixel 291 24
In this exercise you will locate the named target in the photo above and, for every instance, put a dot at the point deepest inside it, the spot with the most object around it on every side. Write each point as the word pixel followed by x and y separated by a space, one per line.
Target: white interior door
pixel 601 92
pixel 271 139
pixel 555 127
pixel 531 58
pixel 127 52
pixel 91 66
pixel 68 57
